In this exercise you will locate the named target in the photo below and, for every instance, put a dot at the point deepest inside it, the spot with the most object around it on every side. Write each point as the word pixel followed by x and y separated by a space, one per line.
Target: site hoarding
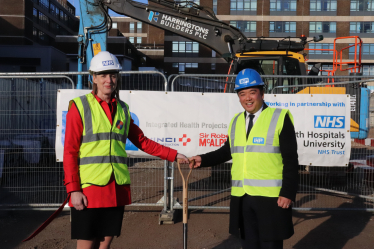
pixel 197 123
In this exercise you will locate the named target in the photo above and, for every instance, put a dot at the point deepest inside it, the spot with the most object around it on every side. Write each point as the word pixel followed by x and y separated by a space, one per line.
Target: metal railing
pixel 30 177
pixel 320 188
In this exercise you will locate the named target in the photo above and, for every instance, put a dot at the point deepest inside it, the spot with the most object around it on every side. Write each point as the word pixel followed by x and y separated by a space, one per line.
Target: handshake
pixel 194 161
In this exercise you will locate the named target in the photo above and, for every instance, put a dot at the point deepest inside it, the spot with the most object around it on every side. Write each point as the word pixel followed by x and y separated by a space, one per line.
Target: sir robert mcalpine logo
pixel 153 16
pixel 184 139
pixel 108 63
pixel 119 124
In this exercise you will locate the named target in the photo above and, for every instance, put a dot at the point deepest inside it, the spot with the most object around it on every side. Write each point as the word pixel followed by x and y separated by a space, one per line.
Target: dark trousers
pixel 250 234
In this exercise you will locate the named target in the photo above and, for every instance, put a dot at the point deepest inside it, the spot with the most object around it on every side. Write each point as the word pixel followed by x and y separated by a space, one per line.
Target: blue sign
pixel 258 140
pixel 129 145
pixel 337 122
pixel 63 128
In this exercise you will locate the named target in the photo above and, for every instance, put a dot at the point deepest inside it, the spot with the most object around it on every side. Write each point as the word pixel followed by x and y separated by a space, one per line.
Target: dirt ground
pixel 206 229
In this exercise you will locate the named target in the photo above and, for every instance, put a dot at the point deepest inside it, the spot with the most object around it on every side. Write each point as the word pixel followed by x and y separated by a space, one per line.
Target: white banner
pixel 196 123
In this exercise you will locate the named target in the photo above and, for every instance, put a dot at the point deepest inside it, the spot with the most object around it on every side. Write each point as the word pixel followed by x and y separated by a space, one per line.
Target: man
pixel 262 145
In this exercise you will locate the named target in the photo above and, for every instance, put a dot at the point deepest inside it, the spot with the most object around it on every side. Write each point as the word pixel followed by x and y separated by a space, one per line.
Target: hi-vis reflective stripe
pixel 257 183
pixel 124 107
pixel 237 183
pixel 268 148
pixel 102 159
pixel 263 149
pixel 103 136
pixel 235 149
pixel 87 115
pixel 90 136
pixel 273 126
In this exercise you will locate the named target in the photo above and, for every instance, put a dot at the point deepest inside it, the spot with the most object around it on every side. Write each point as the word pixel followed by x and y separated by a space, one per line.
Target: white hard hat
pixel 104 61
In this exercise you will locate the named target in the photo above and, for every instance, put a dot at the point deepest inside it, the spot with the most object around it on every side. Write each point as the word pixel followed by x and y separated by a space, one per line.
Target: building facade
pixel 270 18
pixel 28 30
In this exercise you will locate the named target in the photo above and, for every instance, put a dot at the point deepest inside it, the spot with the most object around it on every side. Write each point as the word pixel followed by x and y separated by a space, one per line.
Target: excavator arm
pixel 183 18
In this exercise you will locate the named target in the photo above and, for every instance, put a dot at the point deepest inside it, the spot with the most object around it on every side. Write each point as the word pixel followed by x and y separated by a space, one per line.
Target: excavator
pixel 276 56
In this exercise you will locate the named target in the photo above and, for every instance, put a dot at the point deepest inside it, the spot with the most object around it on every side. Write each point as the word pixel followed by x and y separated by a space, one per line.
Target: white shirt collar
pixel 257 113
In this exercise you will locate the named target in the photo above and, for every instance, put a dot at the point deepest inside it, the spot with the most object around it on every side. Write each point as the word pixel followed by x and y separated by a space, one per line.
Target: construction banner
pixel 197 123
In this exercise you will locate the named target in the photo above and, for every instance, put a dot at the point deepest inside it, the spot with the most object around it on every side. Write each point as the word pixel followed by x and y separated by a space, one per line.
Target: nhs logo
pixel 329 122
pixel 108 63
pixel 258 140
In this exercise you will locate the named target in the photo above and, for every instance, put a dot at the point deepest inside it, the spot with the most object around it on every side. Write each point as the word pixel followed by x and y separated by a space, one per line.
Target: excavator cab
pixel 273 63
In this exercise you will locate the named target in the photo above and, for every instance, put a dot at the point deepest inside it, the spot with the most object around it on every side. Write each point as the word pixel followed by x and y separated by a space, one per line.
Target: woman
pixel 96 173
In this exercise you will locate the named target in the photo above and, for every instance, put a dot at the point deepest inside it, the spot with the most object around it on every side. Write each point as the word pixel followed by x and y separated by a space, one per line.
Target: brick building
pixel 268 18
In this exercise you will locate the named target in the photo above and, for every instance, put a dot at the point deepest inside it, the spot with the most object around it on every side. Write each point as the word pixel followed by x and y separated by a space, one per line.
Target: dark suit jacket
pixel 281 227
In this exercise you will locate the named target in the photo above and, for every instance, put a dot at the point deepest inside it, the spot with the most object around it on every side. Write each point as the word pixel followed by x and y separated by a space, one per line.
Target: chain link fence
pixel 320 188
pixel 30 177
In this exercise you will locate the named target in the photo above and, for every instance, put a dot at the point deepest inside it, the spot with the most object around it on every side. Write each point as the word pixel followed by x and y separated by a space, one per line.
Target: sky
pixel 77 9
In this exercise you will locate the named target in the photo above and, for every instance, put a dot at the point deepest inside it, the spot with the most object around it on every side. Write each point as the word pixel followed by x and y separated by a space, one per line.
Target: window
pixel 368 69
pixel 52 10
pixel 325 69
pixel 244 26
pixel 214 54
pixel 185 47
pixel 322 27
pixel 35 34
pixel 213 66
pixel 323 5
pixel 114 25
pixel 321 46
pixel 132 27
pixel 283 27
pixel 54 27
pixel 248 5
pixel 43 20
pixel 44 4
pixel 183 66
pixel 282 5
pixel 215 2
pixel 362 5
pixel 132 40
pixel 367 49
pixel 361 27
pixel 138 40
pixel 35 14
pixel 139 27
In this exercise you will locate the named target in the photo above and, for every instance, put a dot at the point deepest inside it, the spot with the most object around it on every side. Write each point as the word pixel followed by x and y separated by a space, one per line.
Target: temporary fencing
pixel 320 188
pixel 30 177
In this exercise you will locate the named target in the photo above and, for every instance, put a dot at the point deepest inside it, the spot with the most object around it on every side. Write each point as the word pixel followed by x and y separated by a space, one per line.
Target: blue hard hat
pixel 248 78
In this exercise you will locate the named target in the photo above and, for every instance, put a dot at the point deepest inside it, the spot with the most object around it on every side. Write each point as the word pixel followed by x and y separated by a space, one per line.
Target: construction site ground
pixel 206 229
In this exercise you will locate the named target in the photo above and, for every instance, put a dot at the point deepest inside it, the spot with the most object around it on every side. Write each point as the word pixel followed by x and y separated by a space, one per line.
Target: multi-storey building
pixel 271 18
pixel 28 29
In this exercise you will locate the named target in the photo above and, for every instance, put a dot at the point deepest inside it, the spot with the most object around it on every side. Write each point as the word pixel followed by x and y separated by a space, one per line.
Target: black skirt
pixel 92 223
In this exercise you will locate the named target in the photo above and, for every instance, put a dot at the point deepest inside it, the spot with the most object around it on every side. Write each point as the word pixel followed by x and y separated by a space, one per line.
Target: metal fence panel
pixel 29 173
pixel 320 188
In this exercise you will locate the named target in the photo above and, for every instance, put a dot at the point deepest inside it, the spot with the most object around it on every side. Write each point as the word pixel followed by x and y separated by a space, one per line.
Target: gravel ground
pixel 207 229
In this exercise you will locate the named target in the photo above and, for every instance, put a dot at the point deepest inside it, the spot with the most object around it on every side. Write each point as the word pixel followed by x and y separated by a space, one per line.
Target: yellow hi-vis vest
pixel 257 165
pixel 102 150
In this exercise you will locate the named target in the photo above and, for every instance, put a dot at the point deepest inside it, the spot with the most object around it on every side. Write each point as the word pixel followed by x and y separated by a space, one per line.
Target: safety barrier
pixel 320 188
pixel 30 177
